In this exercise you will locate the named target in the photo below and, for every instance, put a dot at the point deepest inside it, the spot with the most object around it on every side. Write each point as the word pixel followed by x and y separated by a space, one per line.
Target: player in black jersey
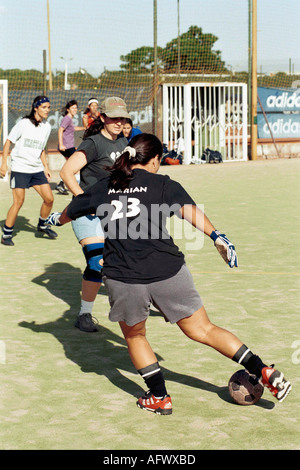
pixel 143 266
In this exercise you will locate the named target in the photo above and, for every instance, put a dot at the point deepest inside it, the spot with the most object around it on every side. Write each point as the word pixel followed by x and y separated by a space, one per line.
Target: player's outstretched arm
pixel 58 218
pixel 198 219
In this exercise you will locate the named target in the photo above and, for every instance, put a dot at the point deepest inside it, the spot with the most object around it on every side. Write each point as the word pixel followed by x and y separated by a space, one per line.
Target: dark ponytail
pixel 94 128
pixel 145 147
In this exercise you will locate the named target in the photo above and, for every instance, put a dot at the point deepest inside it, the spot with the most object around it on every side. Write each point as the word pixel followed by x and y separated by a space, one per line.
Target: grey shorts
pixel 87 226
pixel 175 298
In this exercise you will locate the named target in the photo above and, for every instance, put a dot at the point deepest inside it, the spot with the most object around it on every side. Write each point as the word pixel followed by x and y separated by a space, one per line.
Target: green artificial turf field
pixel 65 389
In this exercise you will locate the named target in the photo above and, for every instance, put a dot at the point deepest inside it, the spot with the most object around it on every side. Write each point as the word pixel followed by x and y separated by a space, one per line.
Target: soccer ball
pixel 245 388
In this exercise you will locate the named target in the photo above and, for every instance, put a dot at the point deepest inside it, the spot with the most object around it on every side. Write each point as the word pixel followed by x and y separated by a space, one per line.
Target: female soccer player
pixel 29 166
pixel 129 131
pixel 102 144
pixel 91 113
pixel 142 265
pixel 66 136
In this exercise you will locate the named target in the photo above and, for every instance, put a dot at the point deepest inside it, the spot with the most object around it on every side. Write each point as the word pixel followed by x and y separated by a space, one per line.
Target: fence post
pixel 254 83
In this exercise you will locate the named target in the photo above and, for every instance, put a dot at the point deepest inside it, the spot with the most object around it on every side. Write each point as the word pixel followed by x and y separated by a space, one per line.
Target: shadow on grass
pixel 22 224
pixel 222 392
pixel 104 352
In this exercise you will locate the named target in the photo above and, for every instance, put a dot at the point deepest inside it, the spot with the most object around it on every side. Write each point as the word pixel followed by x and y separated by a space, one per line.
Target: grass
pixel 64 389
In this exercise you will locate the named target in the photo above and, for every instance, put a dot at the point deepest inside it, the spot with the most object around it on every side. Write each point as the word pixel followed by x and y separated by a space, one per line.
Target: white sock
pixel 86 307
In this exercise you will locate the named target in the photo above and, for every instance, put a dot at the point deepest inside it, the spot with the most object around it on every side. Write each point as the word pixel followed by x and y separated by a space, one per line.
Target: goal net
pixel 81 49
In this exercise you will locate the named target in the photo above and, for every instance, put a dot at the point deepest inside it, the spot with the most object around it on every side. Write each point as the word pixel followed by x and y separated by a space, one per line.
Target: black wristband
pixel 214 235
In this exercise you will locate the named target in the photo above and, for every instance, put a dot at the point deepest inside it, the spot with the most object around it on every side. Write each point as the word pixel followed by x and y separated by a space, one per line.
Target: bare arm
pixel 85 121
pixel 6 150
pixel 71 167
pixel 60 139
pixel 197 218
pixel 59 218
pixel 45 163
pixel 64 219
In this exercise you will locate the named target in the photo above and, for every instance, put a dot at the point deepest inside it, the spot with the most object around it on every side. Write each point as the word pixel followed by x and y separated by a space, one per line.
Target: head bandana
pixel 93 100
pixel 41 101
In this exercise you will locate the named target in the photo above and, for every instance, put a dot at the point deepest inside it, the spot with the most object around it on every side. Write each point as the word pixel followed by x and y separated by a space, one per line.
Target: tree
pixel 140 60
pixel 196 53
pixel 23 79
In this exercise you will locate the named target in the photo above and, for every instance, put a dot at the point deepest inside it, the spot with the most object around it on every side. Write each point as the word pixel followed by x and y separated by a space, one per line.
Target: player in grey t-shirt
pixel 102 144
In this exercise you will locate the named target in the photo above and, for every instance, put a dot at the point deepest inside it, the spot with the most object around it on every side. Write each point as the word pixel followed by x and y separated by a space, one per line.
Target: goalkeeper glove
pixel 53 219
pixel 225 248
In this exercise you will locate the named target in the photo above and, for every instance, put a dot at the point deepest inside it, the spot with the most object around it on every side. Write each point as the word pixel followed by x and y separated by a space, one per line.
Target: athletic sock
pixel 41 222
pixel 86 307
pixel 7 231
pixel 154 380
pixel 250 361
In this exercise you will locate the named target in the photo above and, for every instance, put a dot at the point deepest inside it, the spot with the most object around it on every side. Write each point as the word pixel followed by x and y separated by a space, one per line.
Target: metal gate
pixel 206 115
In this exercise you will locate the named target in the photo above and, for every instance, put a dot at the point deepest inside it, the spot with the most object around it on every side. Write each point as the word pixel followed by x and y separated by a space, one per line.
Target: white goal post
pixel 3 112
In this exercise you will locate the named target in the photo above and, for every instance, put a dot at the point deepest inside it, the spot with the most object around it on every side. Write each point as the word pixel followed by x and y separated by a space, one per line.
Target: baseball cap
pixel 114 107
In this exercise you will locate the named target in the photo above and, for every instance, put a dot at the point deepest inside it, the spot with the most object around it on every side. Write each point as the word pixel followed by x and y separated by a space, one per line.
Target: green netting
pixel 130 49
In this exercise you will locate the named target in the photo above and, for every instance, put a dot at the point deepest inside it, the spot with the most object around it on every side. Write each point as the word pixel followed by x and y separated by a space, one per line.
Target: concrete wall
pixel 55 161
pixel 284 149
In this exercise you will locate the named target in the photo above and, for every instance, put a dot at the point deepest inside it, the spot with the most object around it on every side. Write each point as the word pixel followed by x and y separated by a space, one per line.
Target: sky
pixel 93 34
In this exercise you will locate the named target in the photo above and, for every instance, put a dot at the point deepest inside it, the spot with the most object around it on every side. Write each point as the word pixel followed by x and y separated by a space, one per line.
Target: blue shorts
pixel 27 180
pixel 87 226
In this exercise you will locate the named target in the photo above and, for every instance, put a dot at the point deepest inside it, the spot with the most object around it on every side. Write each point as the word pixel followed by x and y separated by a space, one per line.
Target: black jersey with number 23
pixel 138 249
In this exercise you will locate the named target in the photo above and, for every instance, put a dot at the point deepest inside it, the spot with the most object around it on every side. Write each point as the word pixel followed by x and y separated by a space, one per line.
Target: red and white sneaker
pixel 156 405
pixel 275 382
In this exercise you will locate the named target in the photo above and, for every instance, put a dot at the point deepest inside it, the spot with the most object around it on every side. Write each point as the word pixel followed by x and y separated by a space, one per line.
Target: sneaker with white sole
pixel 275 382
pixel 61 188
pixel 85 322
pixel 47 231
pixel 160 406
pixel 7 241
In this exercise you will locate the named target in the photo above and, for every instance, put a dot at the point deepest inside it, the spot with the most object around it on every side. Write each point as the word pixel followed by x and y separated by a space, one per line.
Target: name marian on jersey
pixel 140 189
pixel 125 216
